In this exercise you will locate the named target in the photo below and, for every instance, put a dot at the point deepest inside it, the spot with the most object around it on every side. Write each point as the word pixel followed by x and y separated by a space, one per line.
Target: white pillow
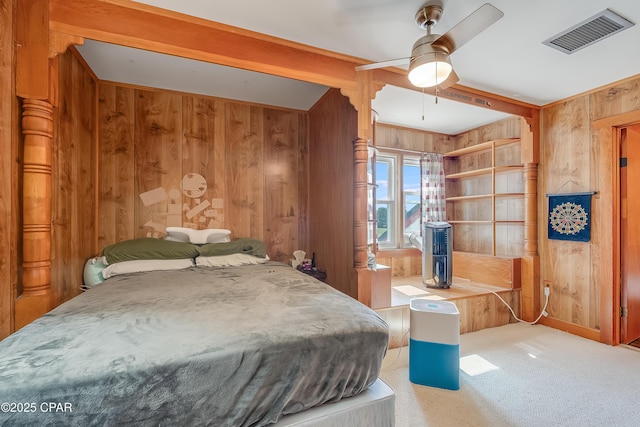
pixel 92 274
pixel 198 237
pixel 137 266
pixel 177 234
pixel 232 260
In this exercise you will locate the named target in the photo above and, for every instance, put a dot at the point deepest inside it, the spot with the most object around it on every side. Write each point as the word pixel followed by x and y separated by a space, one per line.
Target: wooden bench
pixel 503 272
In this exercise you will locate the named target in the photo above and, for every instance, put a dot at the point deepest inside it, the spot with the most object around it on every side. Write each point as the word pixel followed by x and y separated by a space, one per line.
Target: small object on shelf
pixel 318 274
pixel 299 258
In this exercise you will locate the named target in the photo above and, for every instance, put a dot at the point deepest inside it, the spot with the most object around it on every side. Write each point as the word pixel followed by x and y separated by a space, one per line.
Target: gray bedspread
pixel 235 346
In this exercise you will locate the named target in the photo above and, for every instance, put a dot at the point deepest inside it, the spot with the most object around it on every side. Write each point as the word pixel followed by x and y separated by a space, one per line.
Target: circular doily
pixel 568 218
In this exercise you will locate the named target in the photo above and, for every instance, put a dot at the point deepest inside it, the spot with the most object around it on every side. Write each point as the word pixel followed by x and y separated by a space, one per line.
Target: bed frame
pixel 373 407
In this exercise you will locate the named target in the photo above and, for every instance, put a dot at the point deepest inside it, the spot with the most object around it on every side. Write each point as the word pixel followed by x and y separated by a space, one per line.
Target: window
pixel 397 198
pixel 385 199
pixel 411 197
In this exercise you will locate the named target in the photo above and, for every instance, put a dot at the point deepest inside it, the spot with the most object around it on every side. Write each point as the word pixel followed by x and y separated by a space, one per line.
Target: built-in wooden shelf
pixel 470 173
pixel 470 222
pixel 508 194
pixel 511 168
pixel 481 147
pixel 483 183
pixel 474 197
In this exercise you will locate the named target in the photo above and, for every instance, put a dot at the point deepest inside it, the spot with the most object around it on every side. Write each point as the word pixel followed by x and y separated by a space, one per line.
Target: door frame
pixel 607 131
pixel 623 321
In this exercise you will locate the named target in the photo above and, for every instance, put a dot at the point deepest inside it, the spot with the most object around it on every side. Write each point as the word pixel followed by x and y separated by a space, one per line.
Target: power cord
pixel 386 368
pixel 542 313
pixel 547 292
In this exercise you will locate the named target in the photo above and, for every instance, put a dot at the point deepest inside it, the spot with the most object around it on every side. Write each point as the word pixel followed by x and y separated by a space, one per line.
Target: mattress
pixel 236 346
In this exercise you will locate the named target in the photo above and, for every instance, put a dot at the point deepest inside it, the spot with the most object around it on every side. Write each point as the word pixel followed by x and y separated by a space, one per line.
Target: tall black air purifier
pixel 437 241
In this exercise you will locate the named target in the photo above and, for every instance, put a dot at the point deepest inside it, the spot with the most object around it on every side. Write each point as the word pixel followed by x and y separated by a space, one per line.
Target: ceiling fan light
pixel 430 69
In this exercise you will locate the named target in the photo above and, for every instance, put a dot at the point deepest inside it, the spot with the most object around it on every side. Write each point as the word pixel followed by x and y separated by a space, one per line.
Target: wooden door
pixel 630 234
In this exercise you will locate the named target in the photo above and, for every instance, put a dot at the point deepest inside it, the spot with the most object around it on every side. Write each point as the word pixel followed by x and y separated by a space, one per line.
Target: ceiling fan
pixel 429 63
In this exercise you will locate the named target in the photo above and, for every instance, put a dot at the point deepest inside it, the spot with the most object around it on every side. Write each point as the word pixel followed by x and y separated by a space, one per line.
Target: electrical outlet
pixel 549 284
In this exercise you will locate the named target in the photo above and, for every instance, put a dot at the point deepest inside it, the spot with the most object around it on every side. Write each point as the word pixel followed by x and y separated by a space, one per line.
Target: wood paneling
pixel 303 181
pixel 8 183
pixel 73 217
pixel 402 138
pixel 403 263
pixel 281 182
pixel 332 128
pixel 32 35
pixel 615 99
pixel 170 159
pixel 116 164
pixel 501 129
pixel 203 154
pixel 244 195
pixel 158 159
pixel 491 270
pixel 567 167
pixel 577 157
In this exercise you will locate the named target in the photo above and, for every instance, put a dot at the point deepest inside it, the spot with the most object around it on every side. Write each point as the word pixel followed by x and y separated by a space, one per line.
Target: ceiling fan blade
pixel 383 64
pixel 469 27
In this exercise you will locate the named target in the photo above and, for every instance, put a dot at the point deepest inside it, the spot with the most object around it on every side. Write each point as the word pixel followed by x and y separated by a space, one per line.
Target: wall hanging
pixel 570 216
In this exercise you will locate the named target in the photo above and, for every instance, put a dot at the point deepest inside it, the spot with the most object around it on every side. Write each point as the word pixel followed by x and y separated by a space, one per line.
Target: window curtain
pixel 434 205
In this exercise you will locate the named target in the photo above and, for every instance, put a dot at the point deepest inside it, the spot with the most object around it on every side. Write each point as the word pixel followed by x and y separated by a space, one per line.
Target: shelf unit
pixel 484 189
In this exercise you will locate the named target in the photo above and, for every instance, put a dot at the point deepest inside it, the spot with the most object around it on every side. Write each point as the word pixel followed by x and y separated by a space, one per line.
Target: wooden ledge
pixel 503 272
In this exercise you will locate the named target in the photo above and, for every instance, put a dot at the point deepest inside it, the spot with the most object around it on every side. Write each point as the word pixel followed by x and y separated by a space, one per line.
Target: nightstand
pixel 317 274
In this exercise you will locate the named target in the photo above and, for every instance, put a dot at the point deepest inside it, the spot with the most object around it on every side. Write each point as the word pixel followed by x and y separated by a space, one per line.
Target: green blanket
pixel 238 246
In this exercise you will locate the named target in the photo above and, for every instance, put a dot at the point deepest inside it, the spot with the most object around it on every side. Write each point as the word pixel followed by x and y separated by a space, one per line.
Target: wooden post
pixel 360 97
pixel 360 157
pixel 530 265
pixel 36 84
pixel 37 128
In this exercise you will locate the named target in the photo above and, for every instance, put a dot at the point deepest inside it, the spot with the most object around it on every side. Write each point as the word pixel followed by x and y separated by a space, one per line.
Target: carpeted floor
pixel 521 375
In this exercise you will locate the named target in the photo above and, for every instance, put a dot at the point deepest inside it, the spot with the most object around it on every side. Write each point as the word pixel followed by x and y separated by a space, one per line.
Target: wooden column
pixel 37 128
pixel 360 155
pixel 530 264
pixel 36 84
pixel 360 96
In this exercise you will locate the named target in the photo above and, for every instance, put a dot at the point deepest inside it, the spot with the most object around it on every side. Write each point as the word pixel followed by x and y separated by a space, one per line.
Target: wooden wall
pixel 73 180
pixel 505 128
pixel 332 130
pixel 8 169
pixel 572 160
pixel 389 136
pixel 172 159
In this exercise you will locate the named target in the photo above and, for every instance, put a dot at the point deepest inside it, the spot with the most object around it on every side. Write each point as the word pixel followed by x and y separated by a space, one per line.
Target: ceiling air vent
pixel 587 32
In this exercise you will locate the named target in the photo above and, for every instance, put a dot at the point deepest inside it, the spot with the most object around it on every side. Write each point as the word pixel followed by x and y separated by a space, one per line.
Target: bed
pixel 241 342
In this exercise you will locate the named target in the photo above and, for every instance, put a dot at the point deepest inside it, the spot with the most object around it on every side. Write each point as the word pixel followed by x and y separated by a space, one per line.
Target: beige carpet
pixel 521 375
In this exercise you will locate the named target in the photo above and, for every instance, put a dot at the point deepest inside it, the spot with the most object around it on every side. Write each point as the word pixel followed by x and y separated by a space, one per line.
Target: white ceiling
pixel 507 59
